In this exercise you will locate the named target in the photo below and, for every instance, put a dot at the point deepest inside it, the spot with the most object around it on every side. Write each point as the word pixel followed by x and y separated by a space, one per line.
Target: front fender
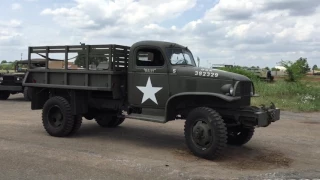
pixel 220 96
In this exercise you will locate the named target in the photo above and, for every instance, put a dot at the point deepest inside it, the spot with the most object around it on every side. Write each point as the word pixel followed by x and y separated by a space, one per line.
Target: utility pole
pixel 198 61
pixel 21 56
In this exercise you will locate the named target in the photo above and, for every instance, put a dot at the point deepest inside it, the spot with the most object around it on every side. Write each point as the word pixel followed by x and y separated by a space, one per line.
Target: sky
pixel 239 32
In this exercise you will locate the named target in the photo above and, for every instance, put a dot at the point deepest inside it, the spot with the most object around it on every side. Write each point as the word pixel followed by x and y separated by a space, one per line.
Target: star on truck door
pixel 148 82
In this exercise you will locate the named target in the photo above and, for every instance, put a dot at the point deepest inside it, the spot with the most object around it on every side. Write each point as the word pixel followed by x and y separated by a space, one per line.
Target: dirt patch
pixel 185 155
pixel 259 161
pixel 241 158
pixel 310 122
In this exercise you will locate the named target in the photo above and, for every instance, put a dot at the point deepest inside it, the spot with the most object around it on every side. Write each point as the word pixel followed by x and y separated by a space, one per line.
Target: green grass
pixel 4 71
pixel 297 97
pixel 301 96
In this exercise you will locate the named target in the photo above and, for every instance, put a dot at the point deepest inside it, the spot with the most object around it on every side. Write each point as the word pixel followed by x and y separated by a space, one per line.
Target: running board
pixel 144 117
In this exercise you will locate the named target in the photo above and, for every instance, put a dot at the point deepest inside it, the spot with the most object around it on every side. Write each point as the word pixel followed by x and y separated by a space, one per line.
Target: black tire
pixel 77 124
pixel 116 122
pixel 57 118
pixel 109 121
pixel 27 94
pixel 239 135
pixel 4 95
pixel 202 123
pixel 89 116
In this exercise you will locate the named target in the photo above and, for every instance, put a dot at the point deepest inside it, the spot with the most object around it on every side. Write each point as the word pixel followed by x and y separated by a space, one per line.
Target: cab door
pixel 148 84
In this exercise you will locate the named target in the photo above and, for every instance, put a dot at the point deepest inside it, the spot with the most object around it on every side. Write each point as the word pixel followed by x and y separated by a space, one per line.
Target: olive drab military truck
pixel 152 81
pixel 11 83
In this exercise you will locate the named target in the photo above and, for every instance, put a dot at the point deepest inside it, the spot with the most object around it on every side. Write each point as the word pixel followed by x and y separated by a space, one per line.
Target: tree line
pixel 5 65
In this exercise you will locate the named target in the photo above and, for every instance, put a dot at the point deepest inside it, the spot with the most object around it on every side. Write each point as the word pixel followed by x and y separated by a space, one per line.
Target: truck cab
pixel 164 76
pixel 153 81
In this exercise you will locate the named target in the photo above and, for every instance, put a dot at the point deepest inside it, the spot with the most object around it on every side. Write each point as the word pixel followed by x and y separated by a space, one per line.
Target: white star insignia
pixel 149 92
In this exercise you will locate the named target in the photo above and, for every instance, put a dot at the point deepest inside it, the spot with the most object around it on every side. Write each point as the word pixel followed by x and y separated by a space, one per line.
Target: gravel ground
pixel 288 149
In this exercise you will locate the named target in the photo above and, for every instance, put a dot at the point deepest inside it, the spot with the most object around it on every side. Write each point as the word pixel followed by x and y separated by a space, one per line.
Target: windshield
pixel 179 56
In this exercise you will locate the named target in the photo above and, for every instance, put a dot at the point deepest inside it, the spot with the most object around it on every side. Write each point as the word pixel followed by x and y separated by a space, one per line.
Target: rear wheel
pixel 205 133
pixel 77 124
pixel 109 121
pixel 4 95
pixel 57 118
pixel 240 135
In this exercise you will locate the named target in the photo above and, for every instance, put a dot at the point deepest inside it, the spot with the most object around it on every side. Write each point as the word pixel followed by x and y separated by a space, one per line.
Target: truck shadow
pixel 149 137
pixel 16 99
pixel 250 156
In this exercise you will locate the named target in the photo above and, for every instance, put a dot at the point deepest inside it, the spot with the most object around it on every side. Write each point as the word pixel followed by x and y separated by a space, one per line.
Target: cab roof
pixel 161 44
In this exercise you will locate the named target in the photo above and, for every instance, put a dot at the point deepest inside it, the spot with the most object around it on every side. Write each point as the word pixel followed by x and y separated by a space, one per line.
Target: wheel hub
pixel 201 133
pixel 55 117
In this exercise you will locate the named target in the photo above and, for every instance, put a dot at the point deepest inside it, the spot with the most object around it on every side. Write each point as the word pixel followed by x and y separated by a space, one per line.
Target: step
pixel 144 117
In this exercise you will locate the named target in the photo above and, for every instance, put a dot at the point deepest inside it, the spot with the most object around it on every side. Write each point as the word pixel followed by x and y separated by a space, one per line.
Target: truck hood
pixel 208 73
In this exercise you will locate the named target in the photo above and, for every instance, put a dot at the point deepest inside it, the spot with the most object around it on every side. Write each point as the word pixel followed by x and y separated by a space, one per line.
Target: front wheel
pixel 205 133
pixel 4 95
pixel 240 135
pixel 27 94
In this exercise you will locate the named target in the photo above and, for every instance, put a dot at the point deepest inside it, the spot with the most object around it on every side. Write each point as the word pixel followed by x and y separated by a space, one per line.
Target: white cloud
pixel 16 6
pixel 9 33
pixel 251 32
pixel 105 13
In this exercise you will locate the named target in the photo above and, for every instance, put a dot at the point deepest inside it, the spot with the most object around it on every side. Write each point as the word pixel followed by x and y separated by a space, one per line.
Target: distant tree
pixel 296 70
pixel 267 68
pixel 3 62
pixel 303 63
pixel 93 59
pixel 80 60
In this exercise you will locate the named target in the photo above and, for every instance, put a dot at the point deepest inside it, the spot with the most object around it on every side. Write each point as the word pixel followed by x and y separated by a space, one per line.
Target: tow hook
pixel 271 111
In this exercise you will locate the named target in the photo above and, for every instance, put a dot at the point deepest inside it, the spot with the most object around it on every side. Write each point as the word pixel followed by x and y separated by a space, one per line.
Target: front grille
pixel 9 80
pixel 243 88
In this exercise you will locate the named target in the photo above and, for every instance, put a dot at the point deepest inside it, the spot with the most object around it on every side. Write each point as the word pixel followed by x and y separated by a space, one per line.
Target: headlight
pixel 227 89
pixel 19 78
pixel 231 90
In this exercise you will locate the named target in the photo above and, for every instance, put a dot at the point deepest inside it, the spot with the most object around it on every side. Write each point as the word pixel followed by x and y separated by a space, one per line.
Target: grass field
pixel 4 71
pixel 303 96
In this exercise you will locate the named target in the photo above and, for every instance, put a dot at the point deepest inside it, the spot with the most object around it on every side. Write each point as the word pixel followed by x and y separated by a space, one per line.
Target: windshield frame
pixel 184 51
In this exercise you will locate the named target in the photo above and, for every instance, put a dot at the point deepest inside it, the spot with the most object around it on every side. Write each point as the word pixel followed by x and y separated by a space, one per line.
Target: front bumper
pixel 11 88
pixel 253 116
pixel 265 118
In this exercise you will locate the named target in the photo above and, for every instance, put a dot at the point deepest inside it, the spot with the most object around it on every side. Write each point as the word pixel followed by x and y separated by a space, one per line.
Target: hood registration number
pixel 206 74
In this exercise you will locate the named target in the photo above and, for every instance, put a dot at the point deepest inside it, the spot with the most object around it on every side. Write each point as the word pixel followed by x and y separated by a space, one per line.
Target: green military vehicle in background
pixel 11 83
pixel 152 81
pixel 262 74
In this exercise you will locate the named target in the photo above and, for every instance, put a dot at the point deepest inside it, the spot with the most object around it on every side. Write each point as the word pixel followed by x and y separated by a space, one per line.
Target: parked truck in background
pixel 11 83
pixel 153 81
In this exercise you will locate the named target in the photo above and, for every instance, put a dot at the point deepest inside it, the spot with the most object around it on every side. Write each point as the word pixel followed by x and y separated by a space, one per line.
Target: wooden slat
pixel 66 56
pixel 67 87
pixel 74 71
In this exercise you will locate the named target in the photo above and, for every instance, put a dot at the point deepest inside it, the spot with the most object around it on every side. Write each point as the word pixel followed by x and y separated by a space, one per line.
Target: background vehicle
pixel 11 83
pixel 152 81
pixel 262 74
